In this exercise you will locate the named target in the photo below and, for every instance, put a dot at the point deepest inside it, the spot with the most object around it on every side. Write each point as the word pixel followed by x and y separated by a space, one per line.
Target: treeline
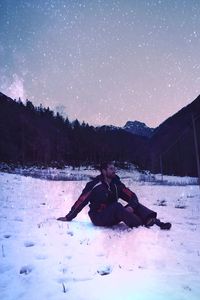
pixel 36 135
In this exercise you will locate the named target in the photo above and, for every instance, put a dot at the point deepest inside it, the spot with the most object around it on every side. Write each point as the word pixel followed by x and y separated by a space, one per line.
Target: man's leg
pixel 148 216
pixel 144 213
pixel 114 214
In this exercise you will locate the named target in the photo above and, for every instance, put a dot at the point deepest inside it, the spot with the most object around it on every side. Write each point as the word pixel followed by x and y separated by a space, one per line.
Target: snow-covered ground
pixel 42 258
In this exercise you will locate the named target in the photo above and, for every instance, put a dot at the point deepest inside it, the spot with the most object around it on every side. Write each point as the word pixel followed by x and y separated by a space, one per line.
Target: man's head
pixel 108 169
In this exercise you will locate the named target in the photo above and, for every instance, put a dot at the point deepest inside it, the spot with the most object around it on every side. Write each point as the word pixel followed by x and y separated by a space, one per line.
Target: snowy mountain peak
pixel 138 128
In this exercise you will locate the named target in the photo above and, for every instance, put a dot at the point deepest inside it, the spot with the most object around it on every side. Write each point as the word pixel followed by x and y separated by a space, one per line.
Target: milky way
pixel 105 62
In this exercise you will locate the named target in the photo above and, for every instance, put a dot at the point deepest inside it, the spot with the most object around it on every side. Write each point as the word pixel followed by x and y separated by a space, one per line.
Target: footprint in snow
pixel 180 206
pixel 29 244
pixel 141 267
pixel 7 236
pixel 26 269
pixel 187 288
pixel 70 233
pixel 105 270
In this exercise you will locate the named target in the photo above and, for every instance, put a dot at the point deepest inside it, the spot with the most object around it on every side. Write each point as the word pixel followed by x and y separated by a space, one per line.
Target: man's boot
pixel 162 225
pixel 165 226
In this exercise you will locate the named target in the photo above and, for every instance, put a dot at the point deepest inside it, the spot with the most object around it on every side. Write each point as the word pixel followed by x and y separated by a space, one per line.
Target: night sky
pixel 105 62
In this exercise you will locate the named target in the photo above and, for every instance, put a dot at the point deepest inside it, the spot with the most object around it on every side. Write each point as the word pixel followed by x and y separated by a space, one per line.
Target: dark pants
pixel 116 212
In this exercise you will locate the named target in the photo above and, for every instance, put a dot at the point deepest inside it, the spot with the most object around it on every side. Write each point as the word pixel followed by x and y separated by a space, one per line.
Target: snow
pixel 85 173
pixel 42 258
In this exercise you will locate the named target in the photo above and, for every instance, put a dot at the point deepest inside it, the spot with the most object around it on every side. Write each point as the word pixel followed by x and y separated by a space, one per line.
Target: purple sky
pixel 105 62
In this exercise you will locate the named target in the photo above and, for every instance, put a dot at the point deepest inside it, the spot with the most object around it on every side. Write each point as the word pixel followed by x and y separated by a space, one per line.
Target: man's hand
pixel 67 218
pixel 64 219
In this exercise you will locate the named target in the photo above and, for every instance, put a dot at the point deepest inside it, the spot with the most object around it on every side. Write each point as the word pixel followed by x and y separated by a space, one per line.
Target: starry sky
pixel 104 62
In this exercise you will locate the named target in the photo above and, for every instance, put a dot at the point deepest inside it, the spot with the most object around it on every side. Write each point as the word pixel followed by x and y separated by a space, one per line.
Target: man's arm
pixel 81 202
pixel 126 194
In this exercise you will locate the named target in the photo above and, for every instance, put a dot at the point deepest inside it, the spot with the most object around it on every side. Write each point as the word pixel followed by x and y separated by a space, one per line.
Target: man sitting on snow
pixel 102 193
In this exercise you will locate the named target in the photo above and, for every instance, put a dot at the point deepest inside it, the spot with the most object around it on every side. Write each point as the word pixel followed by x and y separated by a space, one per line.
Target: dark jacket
pixel 99 194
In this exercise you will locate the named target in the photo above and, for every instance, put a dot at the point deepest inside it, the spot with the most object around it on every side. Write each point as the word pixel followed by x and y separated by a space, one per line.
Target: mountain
pixel 35 135
pixel 172 145
pixel 138 128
